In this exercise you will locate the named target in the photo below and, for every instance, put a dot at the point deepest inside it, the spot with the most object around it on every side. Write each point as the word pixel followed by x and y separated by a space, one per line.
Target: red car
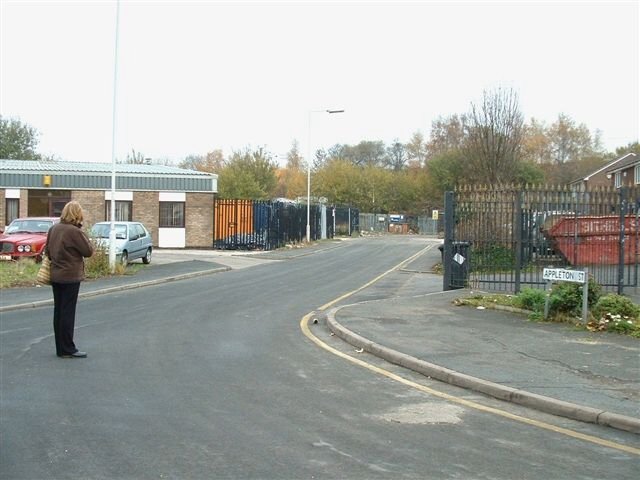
pixel 25 237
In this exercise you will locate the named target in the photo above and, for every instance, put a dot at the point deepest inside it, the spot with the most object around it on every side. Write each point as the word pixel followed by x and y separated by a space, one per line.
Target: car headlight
pixel 27 248
pixel 20 248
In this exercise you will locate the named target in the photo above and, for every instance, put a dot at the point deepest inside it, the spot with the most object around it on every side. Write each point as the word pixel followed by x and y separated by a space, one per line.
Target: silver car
pixel 133 240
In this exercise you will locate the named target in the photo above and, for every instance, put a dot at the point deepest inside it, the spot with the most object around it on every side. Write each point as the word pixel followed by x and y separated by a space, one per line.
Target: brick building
pixel 176 205
pixel 616 173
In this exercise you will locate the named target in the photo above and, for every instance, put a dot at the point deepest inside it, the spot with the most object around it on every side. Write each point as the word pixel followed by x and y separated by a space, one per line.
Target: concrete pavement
pixel 554 368
pixel 550 367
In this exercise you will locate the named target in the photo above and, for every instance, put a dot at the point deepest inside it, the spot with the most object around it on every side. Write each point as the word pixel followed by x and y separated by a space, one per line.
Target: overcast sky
pixel 195 76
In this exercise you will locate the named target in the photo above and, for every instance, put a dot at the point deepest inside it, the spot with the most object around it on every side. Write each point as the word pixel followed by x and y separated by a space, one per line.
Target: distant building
pixel 625 173
pixel 623 170
pixel 175 204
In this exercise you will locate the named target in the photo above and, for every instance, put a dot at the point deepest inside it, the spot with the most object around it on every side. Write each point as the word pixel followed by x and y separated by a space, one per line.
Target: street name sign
pixel 560 274
pixel 575 276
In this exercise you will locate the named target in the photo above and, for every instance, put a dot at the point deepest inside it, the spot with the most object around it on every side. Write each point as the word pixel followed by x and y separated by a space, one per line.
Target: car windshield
pixel 101 230
pixel 29 226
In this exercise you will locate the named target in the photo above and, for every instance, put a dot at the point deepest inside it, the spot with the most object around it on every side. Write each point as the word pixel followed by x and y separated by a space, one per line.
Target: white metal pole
pixel 585 297
pixel 112 230
pixel 309 168
pixel 309 179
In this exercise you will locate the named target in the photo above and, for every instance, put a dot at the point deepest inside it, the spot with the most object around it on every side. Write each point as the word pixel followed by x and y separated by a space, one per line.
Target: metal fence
pixel 374 222
pixel 381 223
pixel 346 220
pixel 430 226
pixel 266 225
pixel 502 238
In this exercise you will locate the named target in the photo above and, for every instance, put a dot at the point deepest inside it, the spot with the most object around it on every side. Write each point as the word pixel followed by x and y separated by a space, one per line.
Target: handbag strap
pixel 45 250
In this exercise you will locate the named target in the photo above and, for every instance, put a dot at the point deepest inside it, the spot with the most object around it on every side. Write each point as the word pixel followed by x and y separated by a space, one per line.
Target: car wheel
pixel 125 258
pixel 147 257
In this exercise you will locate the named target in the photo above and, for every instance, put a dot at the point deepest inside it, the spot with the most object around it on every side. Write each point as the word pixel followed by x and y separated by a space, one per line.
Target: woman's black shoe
pixel 75 355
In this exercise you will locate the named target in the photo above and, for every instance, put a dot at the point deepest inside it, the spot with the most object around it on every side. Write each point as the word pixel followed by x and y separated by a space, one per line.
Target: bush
pixel 615 313
pixel 614 304
pixel 97 265
pixel 536 316
pixel 531 299
pixel 566 298
pixel 610 322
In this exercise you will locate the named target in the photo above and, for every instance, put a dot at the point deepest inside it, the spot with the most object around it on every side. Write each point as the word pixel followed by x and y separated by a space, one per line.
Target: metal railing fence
pixel 347 220
pixel 374 222
pixel 266 225
pixel 507 236
pixel 430 226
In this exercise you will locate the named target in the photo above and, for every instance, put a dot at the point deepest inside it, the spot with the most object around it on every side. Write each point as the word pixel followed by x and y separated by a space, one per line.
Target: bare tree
pixel 212 162
pixel 294 159
pixel 366 153
pixel 396 155
pixel 571 142
pixel 136 158
pixel 292 179
pixel 536 143
pixel 416 149
pixel 493 137
pixel 447 135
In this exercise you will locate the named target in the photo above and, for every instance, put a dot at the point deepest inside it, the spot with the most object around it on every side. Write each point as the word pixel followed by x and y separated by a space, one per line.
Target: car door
pixel 145 239
pixel 135 242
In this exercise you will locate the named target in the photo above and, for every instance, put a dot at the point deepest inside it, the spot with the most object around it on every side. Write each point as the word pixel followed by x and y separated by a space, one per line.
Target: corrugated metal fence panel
pixel 374 222
pixel 429 226
pixel 233 224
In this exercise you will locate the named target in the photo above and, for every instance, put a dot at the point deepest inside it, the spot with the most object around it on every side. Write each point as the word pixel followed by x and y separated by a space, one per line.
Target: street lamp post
pixel 112 227
pixel 309 168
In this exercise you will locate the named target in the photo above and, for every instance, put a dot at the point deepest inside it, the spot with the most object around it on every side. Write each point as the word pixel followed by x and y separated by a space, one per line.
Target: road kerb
pixel 521 397
pixel 118 288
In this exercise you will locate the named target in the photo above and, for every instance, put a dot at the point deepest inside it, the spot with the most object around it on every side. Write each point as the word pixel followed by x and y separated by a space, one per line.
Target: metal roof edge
pixel 95 168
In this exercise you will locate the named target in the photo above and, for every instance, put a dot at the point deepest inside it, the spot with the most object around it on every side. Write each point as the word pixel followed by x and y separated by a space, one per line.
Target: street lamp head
pixel 335 111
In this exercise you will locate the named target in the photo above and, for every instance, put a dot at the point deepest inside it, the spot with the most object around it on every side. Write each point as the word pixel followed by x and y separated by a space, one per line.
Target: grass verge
pixel 613 313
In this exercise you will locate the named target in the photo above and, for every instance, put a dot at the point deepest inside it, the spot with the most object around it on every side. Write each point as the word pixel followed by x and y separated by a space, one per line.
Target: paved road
pixel 211 377
pixel 235 259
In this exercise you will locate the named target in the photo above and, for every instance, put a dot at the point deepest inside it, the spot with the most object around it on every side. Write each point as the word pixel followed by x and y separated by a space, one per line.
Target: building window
pixel 123 211
pixel 12 209
pixel 47 203
pixel 171 215
pixel 636 174
pixel 618 179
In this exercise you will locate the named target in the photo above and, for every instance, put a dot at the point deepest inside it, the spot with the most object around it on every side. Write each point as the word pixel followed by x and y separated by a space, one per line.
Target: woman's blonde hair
pixel 72 213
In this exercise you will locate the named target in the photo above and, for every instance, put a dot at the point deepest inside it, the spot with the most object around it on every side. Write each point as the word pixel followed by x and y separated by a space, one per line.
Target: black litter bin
pixel 458 264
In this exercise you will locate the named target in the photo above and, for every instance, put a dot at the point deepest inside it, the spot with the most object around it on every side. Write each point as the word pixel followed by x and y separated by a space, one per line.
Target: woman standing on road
pixel 67 246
